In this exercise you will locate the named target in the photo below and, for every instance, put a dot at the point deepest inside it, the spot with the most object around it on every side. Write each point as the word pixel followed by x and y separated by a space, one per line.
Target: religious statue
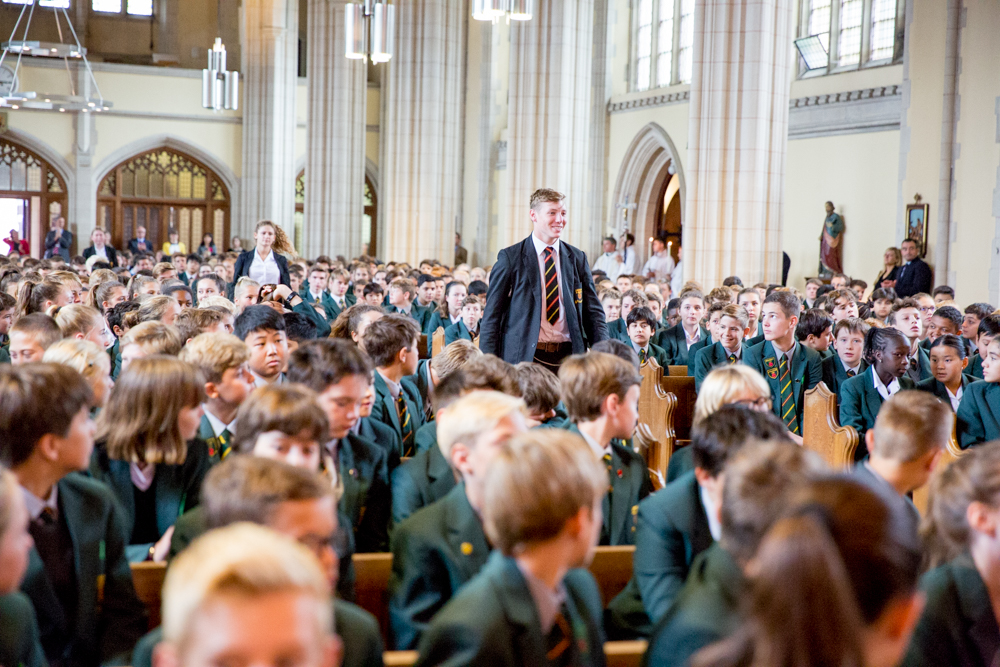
pixel 830 248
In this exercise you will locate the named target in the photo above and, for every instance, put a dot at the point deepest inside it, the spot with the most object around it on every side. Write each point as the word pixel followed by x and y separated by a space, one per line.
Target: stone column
pixel 422 138
pixel 335 137
pixel 551 111
pixel 83 201
pixel 270 57
pixel 737 140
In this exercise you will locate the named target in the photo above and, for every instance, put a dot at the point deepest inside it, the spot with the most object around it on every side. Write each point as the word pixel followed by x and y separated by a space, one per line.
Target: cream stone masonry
pixel 335 137
pixel 270 55
pixel 423 132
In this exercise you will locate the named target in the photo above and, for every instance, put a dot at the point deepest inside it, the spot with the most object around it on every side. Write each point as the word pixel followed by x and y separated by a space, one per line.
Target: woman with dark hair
pixel 207 246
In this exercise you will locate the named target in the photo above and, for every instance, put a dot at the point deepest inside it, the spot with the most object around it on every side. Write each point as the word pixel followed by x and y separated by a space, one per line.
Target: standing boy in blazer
pixel 789 367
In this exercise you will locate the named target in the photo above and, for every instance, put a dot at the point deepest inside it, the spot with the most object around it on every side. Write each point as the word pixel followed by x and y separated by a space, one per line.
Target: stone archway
pixel 649 166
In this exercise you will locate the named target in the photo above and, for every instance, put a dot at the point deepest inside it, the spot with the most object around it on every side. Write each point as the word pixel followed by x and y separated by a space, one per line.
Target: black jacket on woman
pixel 245 260
pixel 892 275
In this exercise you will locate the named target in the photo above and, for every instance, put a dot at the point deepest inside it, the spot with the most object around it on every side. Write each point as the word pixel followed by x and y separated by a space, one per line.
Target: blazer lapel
pixel 992 395
pixel 346 470
pixel 388 405
pixel 975 604
pixel 465 533
pixel 701 534
pixel 621 499
pixel 568 290
pixel 87 551
pixel 873 399
pixel 515 598
pixel 798 372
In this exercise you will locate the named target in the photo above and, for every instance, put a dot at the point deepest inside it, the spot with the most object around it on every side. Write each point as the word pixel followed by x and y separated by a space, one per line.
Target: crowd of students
pixel 257 436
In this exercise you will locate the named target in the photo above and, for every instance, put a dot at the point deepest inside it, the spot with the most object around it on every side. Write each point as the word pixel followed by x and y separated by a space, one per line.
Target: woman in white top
pixel 266 263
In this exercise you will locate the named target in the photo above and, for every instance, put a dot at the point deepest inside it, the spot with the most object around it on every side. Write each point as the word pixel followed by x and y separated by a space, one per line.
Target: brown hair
pixel 853 324
pixel 910 424
pixel 215 353
pixel 154 337
pixel 545 196
pixel 40 327
pixel 77 319
pixel 539 481
pixel 282 244
pixel 191 322
pixel 288 408
pixel 490 372
pixel 638 297
pixel 587 379
pixel 101 292
pixel 788 303
pixel 140 420
pixel 349 319
pixel 32 295
pixel 384 338
pixel 539 387
pixel 738 313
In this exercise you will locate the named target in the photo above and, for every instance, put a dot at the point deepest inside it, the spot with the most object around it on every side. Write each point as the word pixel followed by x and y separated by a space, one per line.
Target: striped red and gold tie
pixel 551 286
pixel 405 424
pixel 788 414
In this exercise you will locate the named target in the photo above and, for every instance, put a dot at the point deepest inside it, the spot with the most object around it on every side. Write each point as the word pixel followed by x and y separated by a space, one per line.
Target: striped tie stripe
pixel 788 414
pixel 551 287
pixel 405 426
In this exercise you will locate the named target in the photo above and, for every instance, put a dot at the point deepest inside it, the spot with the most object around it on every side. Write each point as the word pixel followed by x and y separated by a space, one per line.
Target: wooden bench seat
pixel 617 654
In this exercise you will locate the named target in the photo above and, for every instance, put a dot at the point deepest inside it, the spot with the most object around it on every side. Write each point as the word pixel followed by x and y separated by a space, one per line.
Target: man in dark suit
pixel 541 304
pixel 98 240
pixel 140 243
pixel 58 240
pixel 461 254
pixel 915 276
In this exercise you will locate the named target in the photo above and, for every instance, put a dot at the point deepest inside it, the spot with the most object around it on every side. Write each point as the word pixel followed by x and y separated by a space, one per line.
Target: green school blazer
pixel 420 383
pixel 364 472
pixel 672 531
pixel 806 373
pixel 706 610
pixel 325 301
pixel 434 553
pixel 710 357
pixel 860 403
pixel 835 375
pixel 109 618
pixel 424 479
pixel 457 331
pixel 619 330
pixel 979 414
pixel 384 408
pixel 958 627
pixel 655 352
pixel 976 366
pixel 20 643
pixel 674 343
pixel 936 387
pixel 494 621
pixel 379 434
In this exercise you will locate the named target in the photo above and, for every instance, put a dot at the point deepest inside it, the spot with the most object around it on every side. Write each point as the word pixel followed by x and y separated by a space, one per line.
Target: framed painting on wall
pixel 916 224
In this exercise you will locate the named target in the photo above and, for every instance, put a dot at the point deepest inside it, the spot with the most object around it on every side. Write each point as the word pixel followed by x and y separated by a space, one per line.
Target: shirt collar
pixel 711 512
pixel 885 391
pixel 260 381
pixel 692 339
pixel 596 446
pixel 856 369
pixel 541 246
pixel 547 601
pixel 36 505
pixel 788 355
pixel 394 387
pixel 217 424
pixel 738 352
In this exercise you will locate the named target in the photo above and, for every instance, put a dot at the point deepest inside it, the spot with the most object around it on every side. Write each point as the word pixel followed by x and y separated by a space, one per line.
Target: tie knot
pixel 47 517
pixel 548 251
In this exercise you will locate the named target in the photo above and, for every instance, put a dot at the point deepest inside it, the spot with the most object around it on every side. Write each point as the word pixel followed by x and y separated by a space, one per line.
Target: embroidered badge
pixel 579 295
pixel 772 373
pixel 466 548
pixel 619 473
pixel 771 362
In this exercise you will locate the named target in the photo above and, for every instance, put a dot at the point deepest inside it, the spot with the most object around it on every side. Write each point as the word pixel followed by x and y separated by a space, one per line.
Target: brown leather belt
pixel 551 347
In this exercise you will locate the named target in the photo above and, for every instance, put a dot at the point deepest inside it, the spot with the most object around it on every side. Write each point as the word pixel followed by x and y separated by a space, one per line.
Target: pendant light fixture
pixel 369 27
pixel 220 88
pixel 494 10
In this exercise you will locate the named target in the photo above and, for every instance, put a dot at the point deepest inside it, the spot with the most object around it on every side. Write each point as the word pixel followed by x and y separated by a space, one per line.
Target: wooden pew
pixel 612 568
pixel 616 654
pixel 821 432
pixel 677 371
pixel 681 386
pixel 656 420
pixel 371 586
pixel 437 342
pixel 952 453
pixel 422 346
pixel 148 581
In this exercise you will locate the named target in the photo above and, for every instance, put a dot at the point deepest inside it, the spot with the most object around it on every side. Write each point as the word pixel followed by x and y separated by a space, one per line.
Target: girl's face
pixel 101 384
pixel 946 365
pixel 264 236
pixel 894 360
pixel 15 543
pixel 991 363
pixel 100 334
pixel 455 297
pixel 118 295
pixel 188 421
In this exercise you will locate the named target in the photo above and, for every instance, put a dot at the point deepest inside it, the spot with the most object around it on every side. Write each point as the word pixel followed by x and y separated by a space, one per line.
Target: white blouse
pixel 264 271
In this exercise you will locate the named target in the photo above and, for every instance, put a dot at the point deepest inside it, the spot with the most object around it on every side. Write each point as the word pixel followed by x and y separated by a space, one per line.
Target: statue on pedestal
pixel 831 249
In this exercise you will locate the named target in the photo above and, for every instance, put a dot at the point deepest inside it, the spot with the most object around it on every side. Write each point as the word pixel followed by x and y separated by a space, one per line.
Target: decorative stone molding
pixel 660 100
pixel 851 112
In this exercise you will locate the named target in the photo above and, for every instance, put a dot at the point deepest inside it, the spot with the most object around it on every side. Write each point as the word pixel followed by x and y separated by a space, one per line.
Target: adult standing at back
pixel 263 262
pixel 914 276
pixel 58 240
pixel 99 247
pixel 541 304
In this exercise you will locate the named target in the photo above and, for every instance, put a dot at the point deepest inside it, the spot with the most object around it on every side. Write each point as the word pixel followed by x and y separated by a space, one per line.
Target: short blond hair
pixel 472 415
pixel 162 268
pixel 244 284
pixel 454 356
pixel 215 353
pixel 726 384
pixel 587 379
pixel 154 338
pixel 83 356
pixel 538 481
pixel 219 303
pixel 241 560
pixel 910 424
pixel 545 196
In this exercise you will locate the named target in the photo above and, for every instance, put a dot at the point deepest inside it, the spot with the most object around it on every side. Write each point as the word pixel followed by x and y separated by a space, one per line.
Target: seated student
pixel 222 361
pixel 315 294
pixel 848 360
pixel 441 546
pixel 680 521
pixel 467 327
pixel 862 396
pixel 78 577
pixel 978 416
pixel 339 281
pixel 429 373
pixel 945 320
pixel 641 326
pixel 448 312
pixel 905 317
pixel 373 294
pixel 147 339
pixel 246 293
pixel 148 453
pixel 351 323
pixel 842 304
pixel 948 364
pixel 30 336
pixel 7 304
pixel 671 313
pixel 601 393
pixel 263 330
pixel 81 322
pixel 298 330
pixel 732 328
pixel 106 295
pixel 391 342
pixel 479 289
pixel 541 393
pixel 251 595
pixel 682 342
pixel 533 603
pixel 632 298
pixel 20 642
pixel 959 625
pixel 340 374
pixel 611 301
pixel 942 294
pixel 426 297
pixel 90 361
pixel 655 303
pixel 791 369
pixel 750 299
pixel 297 502
pixel 194 321
pixel 180 293
pixel 989 328
pixel 841 554
pixel 974 314
pixel 209 285
pixel 402 296
pixel 815 331
pixel 760 479
pixel 882 300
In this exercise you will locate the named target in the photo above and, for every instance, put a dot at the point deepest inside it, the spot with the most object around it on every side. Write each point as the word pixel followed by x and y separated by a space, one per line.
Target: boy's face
pixel 811 289
pixel 398 297
pixel 207 288
pixel 179 262
pixel 623 284
pixel 6 319
pixel 183 298
pixel 298 450
pixel 844 308
pixel 471 314
pixel 908 321
pixel 24 348
pixel 713 325
pixel 946 365
pixel 411 358
pixel 820 343
pixel 991 364
pixel 169 274
pixel 839 282
pixel 655 307
pixel 927 308
pixel 628 303
pixel 339 286
pixel 941 298
pixel 612 309
pixel 640 333
pixel 673 317
pixel 942 325
pixel 426 292
pixel 233 389
pixel 192 267
pixel 970 326
pixel 751 302
pixel 731 332
pixel 318 281
pixel 295 282
pixel 849 346
pixel 624 414
pixel 374 299
pixel 360 273
pixel 692 310
pixel 268 352
pixel 882 307
pixel 776 324
pixel 982 344
pixel 342 403
pixel 379 279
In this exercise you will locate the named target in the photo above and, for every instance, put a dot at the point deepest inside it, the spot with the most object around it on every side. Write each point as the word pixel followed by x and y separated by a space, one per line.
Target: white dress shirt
pixel 691 340
pixel 677 279
pixel 36 505
pixel 628 261
pixel 595 446
pixel 661 265
pixel 558 332
pixel 886 392
pixel 955 398
pixel 218 426
pixel 608 262
pixel 265 271
pixel 101 252
pixel 711 512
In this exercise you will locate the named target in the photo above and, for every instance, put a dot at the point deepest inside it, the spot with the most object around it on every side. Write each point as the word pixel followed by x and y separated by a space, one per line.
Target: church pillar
pixel 421 159
pixel 335 137
pixel 551 110
pixel 270 58
pixel 737 140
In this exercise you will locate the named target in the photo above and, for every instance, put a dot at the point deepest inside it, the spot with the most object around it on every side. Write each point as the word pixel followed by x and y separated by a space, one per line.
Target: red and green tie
pixel 551 286
pixel 788 414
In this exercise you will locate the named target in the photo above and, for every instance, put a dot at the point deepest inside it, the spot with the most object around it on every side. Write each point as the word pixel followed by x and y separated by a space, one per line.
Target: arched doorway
pixel 164 190
pixel 369 227
pixel 650 190
pixel 32 194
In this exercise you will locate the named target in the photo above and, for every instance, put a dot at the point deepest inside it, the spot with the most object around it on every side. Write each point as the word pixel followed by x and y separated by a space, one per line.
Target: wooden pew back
pixel 437 342
pixel 612 568
pixel 148 581
pixel 422 346
pixel 616 654
pixel 681 386
pixel 656 419
pixel 821 432
pixel 371 586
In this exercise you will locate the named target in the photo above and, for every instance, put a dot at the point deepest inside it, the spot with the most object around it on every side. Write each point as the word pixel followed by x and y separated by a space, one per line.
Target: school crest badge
pixel 771 362
pixel 772 373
